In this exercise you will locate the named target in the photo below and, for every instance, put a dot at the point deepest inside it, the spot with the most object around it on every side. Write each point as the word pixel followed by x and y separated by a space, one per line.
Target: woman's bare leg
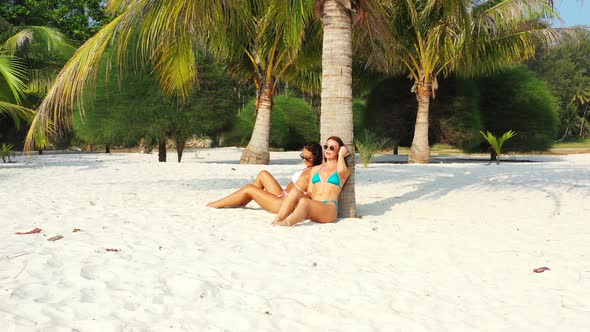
pixel 250 192
pixel 264 180
pixel 288 205
pixel 307 208
pixel 298 215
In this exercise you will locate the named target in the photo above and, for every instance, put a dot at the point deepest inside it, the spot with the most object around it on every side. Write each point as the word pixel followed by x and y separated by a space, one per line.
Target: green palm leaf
pixel 51 41
pixel 496 144
pixel 12 71
pixel 16 112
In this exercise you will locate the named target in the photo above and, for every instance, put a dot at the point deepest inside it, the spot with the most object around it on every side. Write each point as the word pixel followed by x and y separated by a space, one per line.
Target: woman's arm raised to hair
pixel 342 169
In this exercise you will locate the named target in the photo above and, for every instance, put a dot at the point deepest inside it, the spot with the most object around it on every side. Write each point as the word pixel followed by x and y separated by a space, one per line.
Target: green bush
pixel 359 109
pixel 391 110
pixel 293 123
pixel 517 100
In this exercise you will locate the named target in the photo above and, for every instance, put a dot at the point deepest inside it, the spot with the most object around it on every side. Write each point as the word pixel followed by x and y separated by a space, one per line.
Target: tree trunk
pixel 145 146
pixel 493 155
pixel 180 143
pixel 257 150
pixel 162 150
pixel 420 150
pixel 107 148
pixel 336 107
pixel 583 121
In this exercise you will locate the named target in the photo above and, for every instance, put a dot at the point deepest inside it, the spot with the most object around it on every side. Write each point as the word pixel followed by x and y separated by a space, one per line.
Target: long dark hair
pixel 340 143
pixel 316 150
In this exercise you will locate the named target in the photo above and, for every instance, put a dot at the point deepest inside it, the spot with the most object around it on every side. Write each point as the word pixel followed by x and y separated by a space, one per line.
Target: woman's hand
pixel 343 151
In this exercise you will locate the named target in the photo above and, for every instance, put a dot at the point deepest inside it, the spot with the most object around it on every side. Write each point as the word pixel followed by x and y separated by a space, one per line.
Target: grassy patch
pixel 579 144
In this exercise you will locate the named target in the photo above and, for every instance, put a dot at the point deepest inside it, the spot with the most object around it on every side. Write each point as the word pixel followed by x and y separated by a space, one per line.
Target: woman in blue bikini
pixel 267 192
pixel 325 186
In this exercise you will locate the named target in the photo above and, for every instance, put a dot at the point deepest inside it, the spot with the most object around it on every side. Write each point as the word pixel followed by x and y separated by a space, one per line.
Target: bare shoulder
pixel 314 168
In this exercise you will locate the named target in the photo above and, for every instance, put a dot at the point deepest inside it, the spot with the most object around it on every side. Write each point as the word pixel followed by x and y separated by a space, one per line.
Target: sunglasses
pixel 306 158
pixel 331 147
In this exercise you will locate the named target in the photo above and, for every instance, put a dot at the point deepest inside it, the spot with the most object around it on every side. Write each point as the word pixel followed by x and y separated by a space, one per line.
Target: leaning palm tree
pixel 440 37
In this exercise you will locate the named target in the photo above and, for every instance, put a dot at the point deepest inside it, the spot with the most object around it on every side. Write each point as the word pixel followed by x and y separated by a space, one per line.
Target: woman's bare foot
pixel 280 223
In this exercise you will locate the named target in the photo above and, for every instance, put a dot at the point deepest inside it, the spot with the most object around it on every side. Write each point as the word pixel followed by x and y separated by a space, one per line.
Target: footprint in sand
pixel 28 292
pixel 184 286
pixel 87 295
pixel 95 272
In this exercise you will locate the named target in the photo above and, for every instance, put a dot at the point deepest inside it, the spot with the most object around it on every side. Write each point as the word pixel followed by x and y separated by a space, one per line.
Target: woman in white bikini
pixel 267 192
pixel 325 186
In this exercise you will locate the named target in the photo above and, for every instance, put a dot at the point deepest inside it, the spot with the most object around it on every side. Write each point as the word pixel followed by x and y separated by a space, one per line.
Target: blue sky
pixel 573 12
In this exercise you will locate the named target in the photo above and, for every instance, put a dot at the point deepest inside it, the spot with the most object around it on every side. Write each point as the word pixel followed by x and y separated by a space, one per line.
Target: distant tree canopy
pixel 513 99
pixel 133 107
pixel 78 19
pixel 293 124
pixel 516 99
pixel 565 67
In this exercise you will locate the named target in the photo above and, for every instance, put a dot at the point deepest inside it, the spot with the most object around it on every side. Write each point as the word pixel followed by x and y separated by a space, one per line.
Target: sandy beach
pixel 439 247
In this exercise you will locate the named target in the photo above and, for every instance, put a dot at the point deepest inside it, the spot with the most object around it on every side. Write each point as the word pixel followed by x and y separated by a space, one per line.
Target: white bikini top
pixel 296 177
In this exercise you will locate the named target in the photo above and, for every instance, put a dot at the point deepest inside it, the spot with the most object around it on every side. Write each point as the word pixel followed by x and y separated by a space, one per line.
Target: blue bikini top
pixel 333 179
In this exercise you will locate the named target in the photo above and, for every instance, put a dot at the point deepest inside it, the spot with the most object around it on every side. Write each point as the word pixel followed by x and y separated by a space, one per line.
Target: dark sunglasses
pixel 306 158
pixel 331 147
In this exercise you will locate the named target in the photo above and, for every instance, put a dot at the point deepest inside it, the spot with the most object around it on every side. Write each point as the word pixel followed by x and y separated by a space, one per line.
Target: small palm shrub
pixel 368 144
pixel 6 151
pixel 497 143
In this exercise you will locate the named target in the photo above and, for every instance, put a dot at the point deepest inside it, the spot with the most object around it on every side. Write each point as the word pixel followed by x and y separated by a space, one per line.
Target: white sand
pixel 440 247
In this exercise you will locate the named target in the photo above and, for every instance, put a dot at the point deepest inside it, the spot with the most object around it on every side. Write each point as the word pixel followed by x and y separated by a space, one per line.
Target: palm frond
pixel 16 112
pixel 13 72
pixel 68 87
pixel 48 40
pixel 176 66
pixel 40 80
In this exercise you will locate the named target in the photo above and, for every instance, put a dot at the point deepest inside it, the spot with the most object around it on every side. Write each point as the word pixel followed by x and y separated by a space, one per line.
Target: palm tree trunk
pixel 180 143
pixel 583 120
pixel 162 150
pixel 257 150
pixel 336 108
pixel 420 150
